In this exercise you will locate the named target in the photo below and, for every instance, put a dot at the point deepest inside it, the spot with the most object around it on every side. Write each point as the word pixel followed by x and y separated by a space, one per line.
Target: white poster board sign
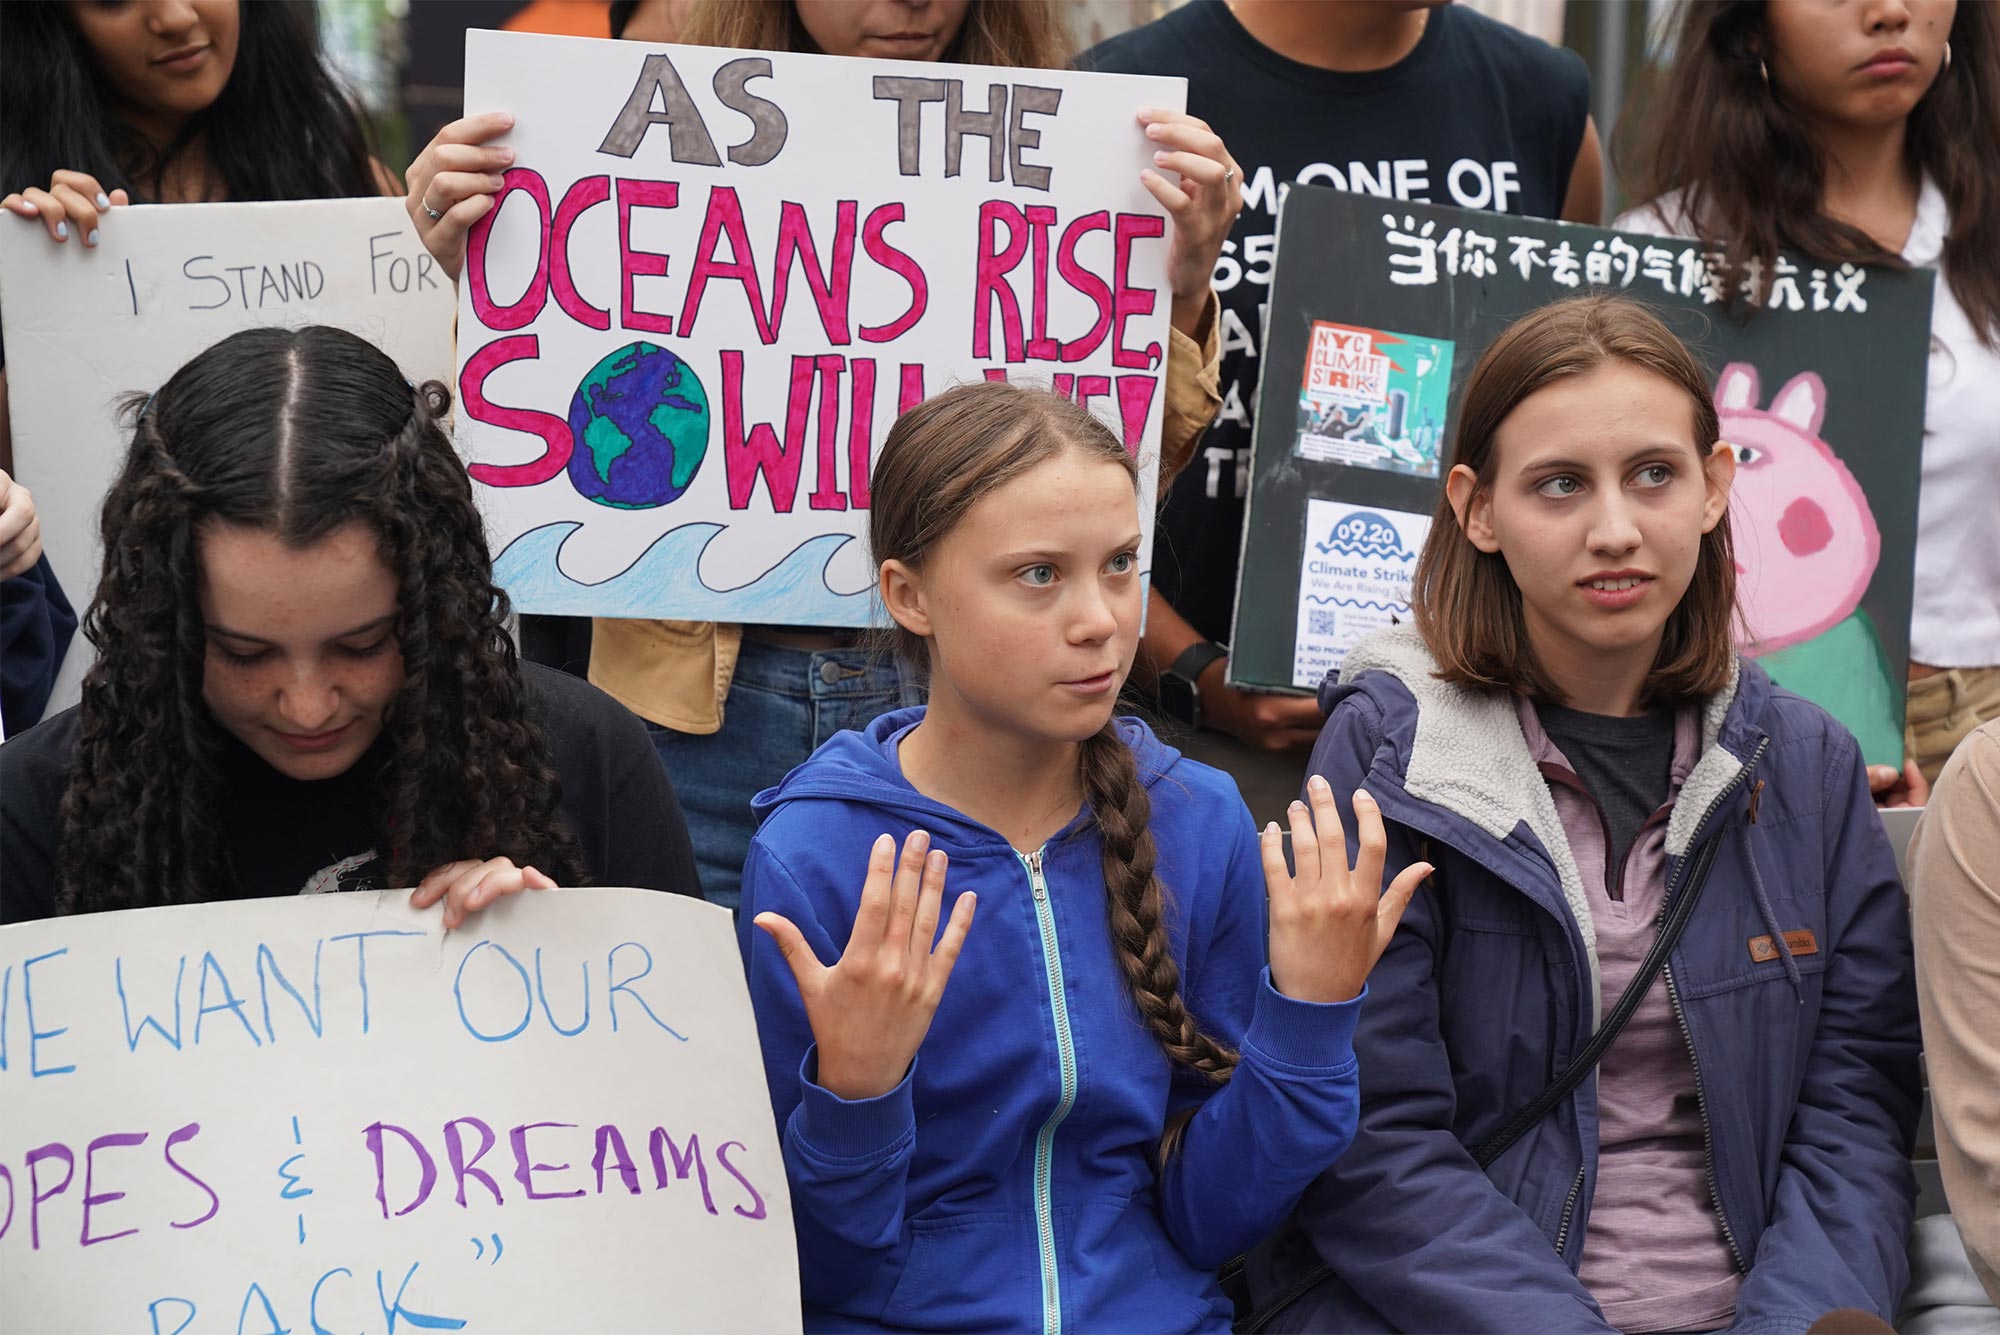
pixel 1354 579
pixel 715 278
pixel 85 326
pixel 324 1113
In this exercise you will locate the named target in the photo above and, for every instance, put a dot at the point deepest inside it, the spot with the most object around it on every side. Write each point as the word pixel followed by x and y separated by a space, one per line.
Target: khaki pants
pixel 1943 709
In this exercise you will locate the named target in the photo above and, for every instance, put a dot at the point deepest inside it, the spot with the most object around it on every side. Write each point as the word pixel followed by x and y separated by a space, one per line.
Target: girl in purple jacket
pixel 1569 737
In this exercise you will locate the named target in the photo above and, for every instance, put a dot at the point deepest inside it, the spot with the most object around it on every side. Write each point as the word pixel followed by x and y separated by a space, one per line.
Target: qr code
pixel 1320 621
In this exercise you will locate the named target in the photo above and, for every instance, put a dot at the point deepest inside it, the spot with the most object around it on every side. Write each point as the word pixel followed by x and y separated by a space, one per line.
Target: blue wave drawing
pixel 1380 551
pixel 665 582
pixel 1357 604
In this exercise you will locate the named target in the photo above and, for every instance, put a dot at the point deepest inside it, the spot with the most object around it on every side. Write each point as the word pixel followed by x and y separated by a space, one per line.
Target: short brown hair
pixel 1467 606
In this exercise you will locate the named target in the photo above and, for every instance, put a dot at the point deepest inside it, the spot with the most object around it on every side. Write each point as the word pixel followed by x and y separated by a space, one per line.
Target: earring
pixel 1947 57
pixel 1766 74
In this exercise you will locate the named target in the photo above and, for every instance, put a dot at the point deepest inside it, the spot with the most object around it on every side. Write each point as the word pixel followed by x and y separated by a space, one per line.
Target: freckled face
pixel 1032 603
pixel 302 660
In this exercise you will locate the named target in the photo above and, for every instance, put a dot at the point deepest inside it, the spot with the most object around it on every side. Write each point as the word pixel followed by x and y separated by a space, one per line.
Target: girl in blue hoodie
pixel 1114 1094
pixel 1569 736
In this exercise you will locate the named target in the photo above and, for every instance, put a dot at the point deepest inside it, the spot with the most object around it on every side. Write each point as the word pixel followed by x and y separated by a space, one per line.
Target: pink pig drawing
pixel 1806 542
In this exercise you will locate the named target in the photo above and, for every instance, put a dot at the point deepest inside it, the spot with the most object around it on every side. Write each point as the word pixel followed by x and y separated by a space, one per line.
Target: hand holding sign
pixel 453 182
pixel 870 1011
pixel 72 198
pixel 1203 206
pixel 20 530
pixel 470 884
pixel 1330 922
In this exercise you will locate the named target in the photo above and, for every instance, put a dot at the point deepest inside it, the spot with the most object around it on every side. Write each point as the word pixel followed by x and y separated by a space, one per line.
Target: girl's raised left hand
pixel 1331 922
pixel 469 885
pixel 1203 205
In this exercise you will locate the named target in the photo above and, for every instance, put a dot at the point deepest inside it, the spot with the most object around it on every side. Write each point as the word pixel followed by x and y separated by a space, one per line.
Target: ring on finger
pixel 425 204
pixel 1228 175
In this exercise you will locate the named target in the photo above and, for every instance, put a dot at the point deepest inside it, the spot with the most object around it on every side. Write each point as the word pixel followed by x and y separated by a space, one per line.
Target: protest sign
pixel 715 278
pixel 325 1113
pixel 1377 305
pixel 87 325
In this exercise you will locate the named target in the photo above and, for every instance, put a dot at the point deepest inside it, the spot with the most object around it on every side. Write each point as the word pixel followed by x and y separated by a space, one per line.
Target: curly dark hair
pixel 297 433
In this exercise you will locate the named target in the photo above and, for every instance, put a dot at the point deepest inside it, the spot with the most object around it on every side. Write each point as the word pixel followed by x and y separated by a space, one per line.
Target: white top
pixel 1955 612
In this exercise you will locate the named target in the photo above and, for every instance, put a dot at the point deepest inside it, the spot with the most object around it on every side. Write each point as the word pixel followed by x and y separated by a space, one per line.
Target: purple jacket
pixel 1806 1058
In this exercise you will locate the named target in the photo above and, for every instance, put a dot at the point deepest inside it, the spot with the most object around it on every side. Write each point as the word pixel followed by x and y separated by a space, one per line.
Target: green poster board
pixel 1379 311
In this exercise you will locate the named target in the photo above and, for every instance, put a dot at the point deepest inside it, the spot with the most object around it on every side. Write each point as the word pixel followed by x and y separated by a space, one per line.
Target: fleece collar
pixel 1470 757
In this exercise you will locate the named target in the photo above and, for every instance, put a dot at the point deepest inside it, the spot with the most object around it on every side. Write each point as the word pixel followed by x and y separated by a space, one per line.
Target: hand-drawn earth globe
pixel 640 424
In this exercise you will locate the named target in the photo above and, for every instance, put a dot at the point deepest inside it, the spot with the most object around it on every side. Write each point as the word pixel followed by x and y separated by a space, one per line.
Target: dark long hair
pixel 1751 177
pixel 282 127
pixel 296 432
pixel 942 457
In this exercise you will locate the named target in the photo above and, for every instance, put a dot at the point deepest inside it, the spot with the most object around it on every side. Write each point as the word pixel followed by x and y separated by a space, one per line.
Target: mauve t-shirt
pixel 1654 1253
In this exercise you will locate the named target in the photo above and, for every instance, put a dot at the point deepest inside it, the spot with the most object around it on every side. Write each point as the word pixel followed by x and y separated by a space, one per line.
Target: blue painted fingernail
pixel 102 201
pixel 62 231
pixel 91 240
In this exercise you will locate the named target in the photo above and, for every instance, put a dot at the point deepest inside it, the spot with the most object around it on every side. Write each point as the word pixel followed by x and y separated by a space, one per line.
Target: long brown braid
pixel 941 458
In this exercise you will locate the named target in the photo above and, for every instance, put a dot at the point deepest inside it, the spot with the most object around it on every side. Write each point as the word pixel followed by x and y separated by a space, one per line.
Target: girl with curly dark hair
pixel 304 679
pixel 1866 134
pixel 1116 989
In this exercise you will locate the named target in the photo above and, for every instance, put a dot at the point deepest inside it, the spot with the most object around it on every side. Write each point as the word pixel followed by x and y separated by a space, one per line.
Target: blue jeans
pixel 782 704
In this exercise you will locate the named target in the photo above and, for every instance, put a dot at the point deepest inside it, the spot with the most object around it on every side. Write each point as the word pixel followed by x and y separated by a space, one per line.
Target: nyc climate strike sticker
pixel 1354 579
pixel 1374 399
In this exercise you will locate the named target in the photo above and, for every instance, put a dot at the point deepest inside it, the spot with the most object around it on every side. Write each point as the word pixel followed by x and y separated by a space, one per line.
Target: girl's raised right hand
pixel 456 176
pixel 73 205
pixel 870 1011
pixel 1330 922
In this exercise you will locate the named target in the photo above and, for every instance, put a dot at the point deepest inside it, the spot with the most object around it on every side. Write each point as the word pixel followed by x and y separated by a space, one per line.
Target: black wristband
pixel 1179 695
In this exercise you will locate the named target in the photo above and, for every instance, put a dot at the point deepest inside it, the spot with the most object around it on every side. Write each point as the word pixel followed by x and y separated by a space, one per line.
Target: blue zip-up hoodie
pixel 1009 1182
pixel 1806 1063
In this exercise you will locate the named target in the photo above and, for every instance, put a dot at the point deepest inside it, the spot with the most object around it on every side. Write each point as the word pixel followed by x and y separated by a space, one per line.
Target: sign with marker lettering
pixel 86 326
pixel 1380 309
pixel 714 279
pixel 325 1113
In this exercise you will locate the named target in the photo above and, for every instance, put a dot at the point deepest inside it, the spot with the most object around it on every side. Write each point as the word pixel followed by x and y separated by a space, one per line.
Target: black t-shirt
pixel 1626 764
pixel 1478 115
pixel 286 836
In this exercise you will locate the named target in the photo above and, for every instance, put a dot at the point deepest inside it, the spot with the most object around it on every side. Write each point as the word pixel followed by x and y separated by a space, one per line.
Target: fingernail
pixel 506 154
pixel 1160 157
pixel 937 859
pixel 91 240
pixel 506 118
pixel 1318 785
pixel 1363 795
pixel 102 201
pixel 1272 828
pixel 884 841
pixel 1297 806
pixel 62 231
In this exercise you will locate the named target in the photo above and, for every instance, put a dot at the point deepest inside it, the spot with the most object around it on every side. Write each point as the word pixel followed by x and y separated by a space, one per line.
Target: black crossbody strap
pixel 1560 1088
pixel 1678 916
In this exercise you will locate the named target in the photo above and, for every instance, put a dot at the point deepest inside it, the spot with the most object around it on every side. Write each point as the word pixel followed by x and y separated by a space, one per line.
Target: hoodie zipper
pixel 1687 1035
pixel 1045 1226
